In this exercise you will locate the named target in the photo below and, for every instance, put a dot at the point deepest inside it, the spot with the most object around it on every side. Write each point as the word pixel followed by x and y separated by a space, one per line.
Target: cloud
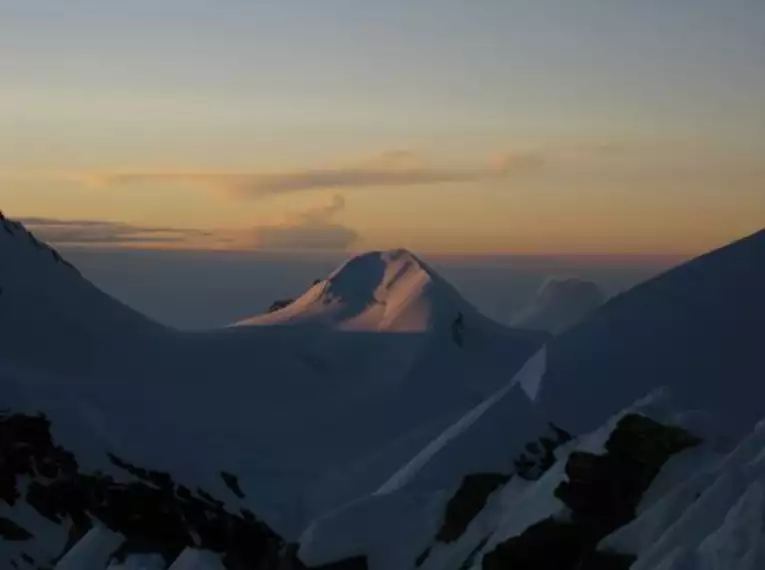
pixel 310 229
pixel 322 213
pixel 389 169
pixel 105 233
pixel 313 228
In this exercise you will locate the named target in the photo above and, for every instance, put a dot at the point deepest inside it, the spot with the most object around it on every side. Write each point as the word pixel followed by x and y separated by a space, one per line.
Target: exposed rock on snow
pixel 149 510
pixel 649 488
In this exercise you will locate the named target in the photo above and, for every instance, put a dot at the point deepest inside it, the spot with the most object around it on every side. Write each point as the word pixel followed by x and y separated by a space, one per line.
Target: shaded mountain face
pixel 50 314
pixel 697 328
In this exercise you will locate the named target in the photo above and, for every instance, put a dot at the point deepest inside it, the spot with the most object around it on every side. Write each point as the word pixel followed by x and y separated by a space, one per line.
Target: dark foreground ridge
pixel 152 511
pixel 467 502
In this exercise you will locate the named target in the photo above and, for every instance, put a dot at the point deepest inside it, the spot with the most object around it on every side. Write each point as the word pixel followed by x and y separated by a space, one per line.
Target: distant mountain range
pixel 380 421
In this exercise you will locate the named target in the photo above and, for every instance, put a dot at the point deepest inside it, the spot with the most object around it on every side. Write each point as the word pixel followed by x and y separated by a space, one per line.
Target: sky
pixel 540 127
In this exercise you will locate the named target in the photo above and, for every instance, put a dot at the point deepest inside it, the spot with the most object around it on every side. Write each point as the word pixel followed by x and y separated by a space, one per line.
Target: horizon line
pixel 580 256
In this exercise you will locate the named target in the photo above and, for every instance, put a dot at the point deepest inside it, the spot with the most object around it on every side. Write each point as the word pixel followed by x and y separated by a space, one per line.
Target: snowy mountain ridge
pixel 696 328
pixel 652 488
pixel 696 504
pixel 376 291
pixel 380 422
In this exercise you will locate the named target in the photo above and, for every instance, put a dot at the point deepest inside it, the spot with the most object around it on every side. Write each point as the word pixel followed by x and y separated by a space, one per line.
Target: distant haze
pixel 193 290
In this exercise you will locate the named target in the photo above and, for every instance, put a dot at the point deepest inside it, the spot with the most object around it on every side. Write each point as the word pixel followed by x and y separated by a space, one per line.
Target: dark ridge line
pixel 420 560
pixel 11 226
pixel 469 500
pixel 470 560
pixel 354 563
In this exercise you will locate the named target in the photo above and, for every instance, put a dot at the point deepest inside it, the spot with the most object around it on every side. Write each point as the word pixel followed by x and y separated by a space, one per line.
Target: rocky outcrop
pixel 279 305
pixel 602 493
pixel 355 563
pixel 153 512
pixel 539 455
pixel 467 502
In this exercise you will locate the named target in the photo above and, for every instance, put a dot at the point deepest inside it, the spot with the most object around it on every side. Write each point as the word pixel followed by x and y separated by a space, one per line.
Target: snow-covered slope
pixel 305 417
pixel 708 512
pixel 673 481
pixel 392 526
pixel 653 487
pixel 697 328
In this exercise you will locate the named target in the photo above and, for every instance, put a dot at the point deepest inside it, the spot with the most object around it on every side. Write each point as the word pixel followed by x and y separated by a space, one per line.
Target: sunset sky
pixel 444 126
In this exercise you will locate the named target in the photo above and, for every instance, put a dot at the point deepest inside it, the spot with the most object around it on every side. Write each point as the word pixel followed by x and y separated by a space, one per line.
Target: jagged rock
pixel 470 560
pixel 458 330
pixel 10 530
pixel 232 482
pixel 604 490
pixel 152 512
pixel 602 493
pixel 467 502
pixel 556 545
pixel 280 304
pixel 539 455
pixel 420 560
pixel 356 563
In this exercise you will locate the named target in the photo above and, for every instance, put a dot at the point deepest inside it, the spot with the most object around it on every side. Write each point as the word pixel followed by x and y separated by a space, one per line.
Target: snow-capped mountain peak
pixel 380 290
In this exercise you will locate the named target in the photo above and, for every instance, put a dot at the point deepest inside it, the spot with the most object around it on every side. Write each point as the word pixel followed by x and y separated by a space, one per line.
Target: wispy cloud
pixel 106 233
pixel 314 228
pixel 310 229
pixel 390 169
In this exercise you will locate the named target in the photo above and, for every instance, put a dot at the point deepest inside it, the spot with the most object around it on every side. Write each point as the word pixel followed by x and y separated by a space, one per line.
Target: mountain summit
pixel 377 291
